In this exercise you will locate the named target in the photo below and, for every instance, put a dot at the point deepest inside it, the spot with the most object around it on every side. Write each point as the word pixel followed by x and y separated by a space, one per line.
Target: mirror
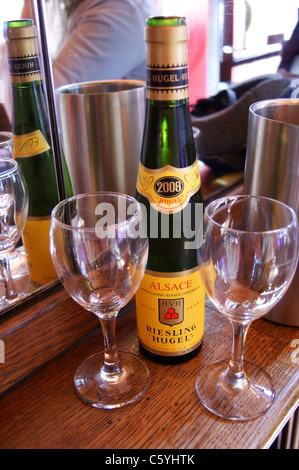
pixel 26 287
pixel 221 49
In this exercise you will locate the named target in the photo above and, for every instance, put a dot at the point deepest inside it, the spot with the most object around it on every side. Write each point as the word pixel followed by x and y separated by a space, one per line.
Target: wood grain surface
pixel 44 412
pixel 51 335
pixel 38 331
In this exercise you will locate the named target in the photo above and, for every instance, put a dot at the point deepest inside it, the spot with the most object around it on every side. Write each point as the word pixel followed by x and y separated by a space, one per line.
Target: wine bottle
pixel 170 300
pixel 31 145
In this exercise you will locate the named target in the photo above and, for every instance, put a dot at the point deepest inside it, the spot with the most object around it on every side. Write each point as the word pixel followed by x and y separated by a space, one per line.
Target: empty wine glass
pixel 13 214
pixel 247 260
pixel 100 251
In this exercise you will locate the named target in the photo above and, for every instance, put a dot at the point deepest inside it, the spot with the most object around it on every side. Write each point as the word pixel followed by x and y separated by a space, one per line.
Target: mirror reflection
pixel 229 43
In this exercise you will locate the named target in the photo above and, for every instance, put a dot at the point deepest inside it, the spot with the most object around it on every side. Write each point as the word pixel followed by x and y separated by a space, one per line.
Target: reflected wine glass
pixel 17 256
pixel 13 214
pixel 5 144
pixel 99 250
pixel 247 261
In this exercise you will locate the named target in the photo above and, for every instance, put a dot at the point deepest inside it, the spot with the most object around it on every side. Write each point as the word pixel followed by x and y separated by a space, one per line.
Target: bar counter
pixel 50 335
pixel 42 411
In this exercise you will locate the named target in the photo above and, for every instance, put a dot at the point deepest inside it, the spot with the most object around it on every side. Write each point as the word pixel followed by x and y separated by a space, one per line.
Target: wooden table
pixel 43 411
pixel 51 335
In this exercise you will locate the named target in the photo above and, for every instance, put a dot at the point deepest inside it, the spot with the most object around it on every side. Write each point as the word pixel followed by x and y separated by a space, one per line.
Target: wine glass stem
pixel 10 291
pixel 236 363
pixel 111 367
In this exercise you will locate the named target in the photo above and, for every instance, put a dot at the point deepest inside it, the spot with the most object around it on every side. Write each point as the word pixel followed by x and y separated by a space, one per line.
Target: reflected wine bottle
pixel 170 300
pixel 31 142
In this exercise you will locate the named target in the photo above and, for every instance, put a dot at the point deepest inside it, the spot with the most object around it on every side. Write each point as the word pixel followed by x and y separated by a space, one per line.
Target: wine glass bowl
pixel 247 260
pixel 5 144
pixel 13 214
pixel 17 258
pixel 99 250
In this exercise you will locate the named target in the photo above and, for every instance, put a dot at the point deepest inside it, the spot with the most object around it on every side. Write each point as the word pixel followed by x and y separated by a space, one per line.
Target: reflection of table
pixel 44 411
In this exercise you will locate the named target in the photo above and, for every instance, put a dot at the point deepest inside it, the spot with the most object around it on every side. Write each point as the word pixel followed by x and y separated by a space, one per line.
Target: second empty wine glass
pixel 247 260
pixel 100 251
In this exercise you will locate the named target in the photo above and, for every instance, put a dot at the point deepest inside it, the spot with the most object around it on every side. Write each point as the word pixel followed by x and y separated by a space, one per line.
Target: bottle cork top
pixel 22 52
pixel 166 29
pixel 19 29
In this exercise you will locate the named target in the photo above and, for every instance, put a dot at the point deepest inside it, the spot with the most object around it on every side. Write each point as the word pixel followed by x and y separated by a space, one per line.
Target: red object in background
pixel 197 16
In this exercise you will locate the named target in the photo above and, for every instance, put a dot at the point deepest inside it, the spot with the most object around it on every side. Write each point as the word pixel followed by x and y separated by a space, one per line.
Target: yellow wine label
pixel 29 145
pixel 170 312
pixel 37 246
pixel 168 189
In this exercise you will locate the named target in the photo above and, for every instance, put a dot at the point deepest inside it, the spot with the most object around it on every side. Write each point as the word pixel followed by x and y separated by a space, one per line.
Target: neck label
pixel 24 69
pixel 167 83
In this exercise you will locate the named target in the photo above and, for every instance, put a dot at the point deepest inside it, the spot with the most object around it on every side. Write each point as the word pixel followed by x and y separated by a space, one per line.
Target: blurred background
pixel 230 40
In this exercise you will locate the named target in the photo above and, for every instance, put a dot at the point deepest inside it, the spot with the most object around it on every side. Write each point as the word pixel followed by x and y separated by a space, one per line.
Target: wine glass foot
pixel 92 389
pixel 247 399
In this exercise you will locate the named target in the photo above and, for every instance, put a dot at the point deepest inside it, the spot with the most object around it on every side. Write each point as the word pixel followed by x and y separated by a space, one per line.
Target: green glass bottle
pixel 170 300
pixel 31 140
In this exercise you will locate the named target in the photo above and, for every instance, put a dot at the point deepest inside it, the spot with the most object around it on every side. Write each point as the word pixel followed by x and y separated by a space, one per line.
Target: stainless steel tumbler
pixel 101 128
pixel 272 170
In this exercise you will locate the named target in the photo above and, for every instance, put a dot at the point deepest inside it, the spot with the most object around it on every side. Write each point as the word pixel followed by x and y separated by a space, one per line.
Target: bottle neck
pixel 26 78
pixel 168 137
pixel 167 63
pixel 183 103
pixel 23 61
